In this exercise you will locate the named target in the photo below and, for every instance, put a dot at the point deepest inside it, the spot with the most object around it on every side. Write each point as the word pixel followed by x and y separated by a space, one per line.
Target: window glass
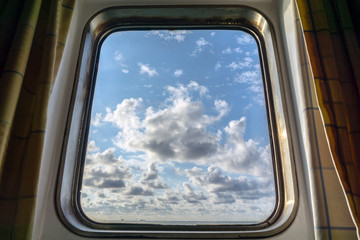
pixel 179 131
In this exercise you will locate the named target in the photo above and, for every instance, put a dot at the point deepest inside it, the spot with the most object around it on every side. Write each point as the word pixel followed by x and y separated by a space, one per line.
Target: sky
pixel 179 130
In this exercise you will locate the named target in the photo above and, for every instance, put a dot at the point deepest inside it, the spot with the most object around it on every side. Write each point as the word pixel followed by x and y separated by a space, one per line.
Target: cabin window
pixel 177 128
pixel 178 132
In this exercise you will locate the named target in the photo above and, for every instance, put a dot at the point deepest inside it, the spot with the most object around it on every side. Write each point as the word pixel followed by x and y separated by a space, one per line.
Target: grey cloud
pixel 157 184
pixel 257 194
pixel 221 198
pixel 169 198
pixel 105 157
pixel 139 191
pixel 105 171
pixel 151 174
pixel 90 182
pixel 103 183
pixel 163 149
pixel 192 196
pixel 151 178
pixel 185 145
pixel 101 195
pixel 224 187
pixel 111 183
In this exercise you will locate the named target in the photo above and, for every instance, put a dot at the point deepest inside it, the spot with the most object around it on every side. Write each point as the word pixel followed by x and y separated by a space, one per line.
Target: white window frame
pixel 175 17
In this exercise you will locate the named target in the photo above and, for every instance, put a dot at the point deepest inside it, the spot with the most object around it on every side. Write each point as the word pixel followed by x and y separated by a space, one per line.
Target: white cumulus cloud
pixel 201 43
pixel 91 147
pixel 178 72
pixel 247 62
pixel 227 51
pixel 97 120
pixel 146 69
pixel 118 56
pixel 218 66
pixel 177 35
pixel 177 132
pixel 245 39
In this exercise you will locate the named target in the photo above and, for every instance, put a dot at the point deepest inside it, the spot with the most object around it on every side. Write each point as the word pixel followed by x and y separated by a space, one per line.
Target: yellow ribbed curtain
pixel 331 30
pixel 32 38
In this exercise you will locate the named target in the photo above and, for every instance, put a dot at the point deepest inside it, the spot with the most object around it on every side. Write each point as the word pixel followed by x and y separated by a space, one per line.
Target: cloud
pixel 246 63
pixel 103 170
pixel 227 51
pixel 97 120
pixel 248 77
pixel 238 172
pixel 192 196
pixel 151 174
pixel 119 58
pixel 146 69
pixel 221 198
pixel 194 86
pixel 241 156
pixel 178 35
pixel 111 183
pixel 124 116
pixel 177 132
pixel 224 189
pixel 169 198
pixel 245 39
pixel 181 92
pixel 213 34
pixel 178 72
pixel 101 195
pixel 253 80
pixel 201 43
pixel 91 147
pixel 152 179
pixel 139 191
pixel 217 66
pixel 238 50
pixel 247 107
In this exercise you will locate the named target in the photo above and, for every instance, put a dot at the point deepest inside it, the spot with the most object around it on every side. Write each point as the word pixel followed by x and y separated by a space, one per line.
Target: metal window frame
pixel 109 20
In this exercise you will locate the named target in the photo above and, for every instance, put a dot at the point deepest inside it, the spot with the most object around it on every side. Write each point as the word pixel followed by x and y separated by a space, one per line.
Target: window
pixel 169 141
pixel 179 131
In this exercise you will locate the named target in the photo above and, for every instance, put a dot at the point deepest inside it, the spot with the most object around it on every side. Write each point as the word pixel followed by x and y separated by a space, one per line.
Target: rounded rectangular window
pixel 179 131
pixel 177 127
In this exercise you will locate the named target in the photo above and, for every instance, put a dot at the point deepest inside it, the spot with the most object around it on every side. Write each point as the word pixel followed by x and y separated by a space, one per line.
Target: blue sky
pixel 178 130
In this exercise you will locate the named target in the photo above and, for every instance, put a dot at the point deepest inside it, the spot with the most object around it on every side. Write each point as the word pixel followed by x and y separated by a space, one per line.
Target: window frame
pixel 115 19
